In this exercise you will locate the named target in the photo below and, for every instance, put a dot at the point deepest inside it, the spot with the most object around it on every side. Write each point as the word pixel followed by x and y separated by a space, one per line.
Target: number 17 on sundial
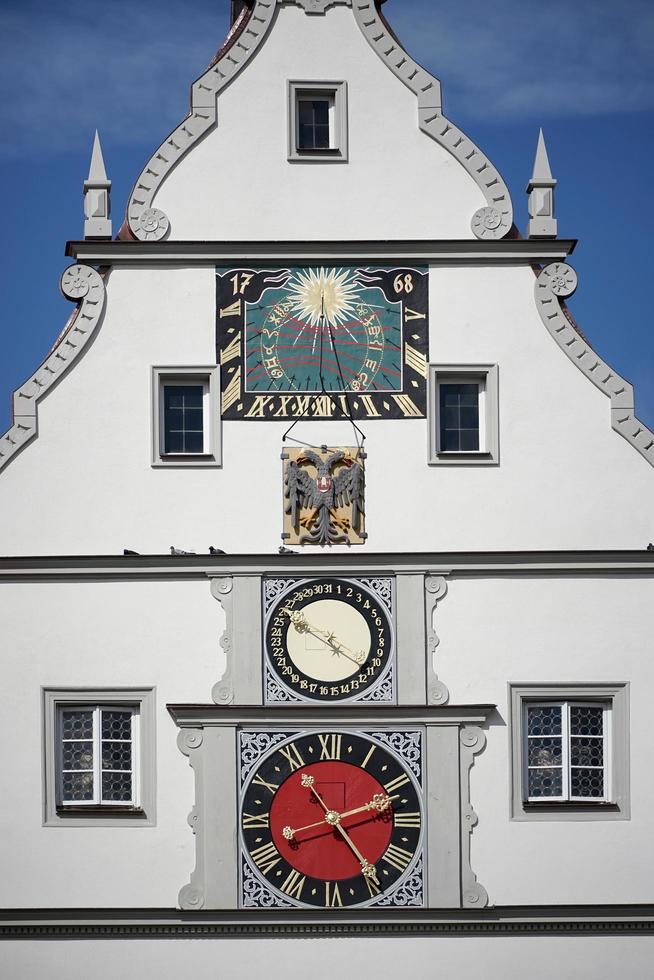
pixel 322 342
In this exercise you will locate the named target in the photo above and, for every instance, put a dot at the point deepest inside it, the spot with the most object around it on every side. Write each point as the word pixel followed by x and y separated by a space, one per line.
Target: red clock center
pixel 316 847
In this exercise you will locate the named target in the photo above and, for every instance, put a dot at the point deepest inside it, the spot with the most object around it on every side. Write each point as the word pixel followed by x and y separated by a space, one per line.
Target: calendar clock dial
pixel 331 819
pixel 323 341
pixel 328 639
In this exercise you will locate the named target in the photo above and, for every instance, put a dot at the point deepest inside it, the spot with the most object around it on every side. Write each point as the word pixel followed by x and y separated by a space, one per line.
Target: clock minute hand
pixel 367 869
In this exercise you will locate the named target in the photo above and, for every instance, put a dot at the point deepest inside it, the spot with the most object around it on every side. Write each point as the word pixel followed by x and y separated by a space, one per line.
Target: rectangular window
pixel 570 751
pixel 184 409
pixel 317 121
pixel 459 410
pixel 185 417
pixel 566 752
pixel 99 757
pixel 463 414
pixel 97 748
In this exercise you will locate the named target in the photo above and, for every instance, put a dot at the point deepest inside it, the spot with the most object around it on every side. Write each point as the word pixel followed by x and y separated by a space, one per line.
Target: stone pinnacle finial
pixel 542 223
pixel 97 188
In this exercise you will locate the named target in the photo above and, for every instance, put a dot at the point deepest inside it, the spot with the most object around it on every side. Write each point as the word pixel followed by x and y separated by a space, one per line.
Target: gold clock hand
pixel 302 625
pixel 367 869
pixel 379 802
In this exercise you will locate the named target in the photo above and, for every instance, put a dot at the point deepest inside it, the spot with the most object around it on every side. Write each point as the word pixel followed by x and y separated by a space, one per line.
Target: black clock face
pixel 329 639
pixel 331 819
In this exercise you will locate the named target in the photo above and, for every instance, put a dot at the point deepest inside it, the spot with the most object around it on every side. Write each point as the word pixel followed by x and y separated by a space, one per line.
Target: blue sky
pixel 582 70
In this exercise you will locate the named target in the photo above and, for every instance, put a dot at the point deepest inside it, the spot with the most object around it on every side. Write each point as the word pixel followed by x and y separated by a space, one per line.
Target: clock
pixel 323 342
pixel 331 818
pixel 328 639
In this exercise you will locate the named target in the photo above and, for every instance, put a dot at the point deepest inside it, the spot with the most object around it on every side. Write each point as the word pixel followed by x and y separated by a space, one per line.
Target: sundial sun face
pixel 324 334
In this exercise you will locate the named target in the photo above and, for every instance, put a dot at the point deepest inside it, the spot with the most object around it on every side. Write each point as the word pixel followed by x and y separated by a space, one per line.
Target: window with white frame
pixel 463 414
pixel 185 426
pixel 317 121
pixel 570 751
pixel 98 749
pixel 99 756
pixel 567 750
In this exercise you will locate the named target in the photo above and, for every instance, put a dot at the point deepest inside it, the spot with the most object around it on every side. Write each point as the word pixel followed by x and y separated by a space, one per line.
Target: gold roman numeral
pixel 413 315
pixel 407 406
pixel 331 746
pixel 332 895
pixel 373 887
pixel 232 350
pixel 397 857
pixel 394 784
pixel 416 360
pixel 258 408
pixel 369 406
pixel 367 758
pixel 407 819
pixel 232 392
pixel 256 822
pixel 292 756
pixel 262 782
pixel 265 857
pixel 293 885
pixel 234 309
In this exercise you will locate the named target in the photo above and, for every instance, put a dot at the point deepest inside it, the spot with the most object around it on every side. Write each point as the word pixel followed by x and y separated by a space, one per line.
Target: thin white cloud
pixel 510 60
pixel 126 66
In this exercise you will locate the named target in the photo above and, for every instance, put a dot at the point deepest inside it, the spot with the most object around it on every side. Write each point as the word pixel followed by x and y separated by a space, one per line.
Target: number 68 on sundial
pixel 289 338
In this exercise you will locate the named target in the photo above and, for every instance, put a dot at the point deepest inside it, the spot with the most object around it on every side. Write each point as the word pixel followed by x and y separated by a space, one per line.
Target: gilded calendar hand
pixel 302 625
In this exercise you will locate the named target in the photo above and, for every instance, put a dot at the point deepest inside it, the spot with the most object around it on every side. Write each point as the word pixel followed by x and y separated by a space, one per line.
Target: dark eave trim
pixel 459 563
pixel 455 251
pixel 172 923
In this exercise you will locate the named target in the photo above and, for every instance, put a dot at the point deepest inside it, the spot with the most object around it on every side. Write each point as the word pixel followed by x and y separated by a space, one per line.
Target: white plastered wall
pixel 94 635
pixel 85 485
pixel 165 634
pixel 237 184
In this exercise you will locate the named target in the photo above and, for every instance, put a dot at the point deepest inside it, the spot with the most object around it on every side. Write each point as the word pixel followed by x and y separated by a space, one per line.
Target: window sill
pixel 474 458
pixel 171 460
pixel 103 809
pixel 333 154
pixel 566 805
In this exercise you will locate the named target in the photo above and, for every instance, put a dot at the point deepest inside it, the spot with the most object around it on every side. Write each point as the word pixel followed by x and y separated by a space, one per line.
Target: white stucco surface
pixel 86 484
pixel 237 182
pixel 467 958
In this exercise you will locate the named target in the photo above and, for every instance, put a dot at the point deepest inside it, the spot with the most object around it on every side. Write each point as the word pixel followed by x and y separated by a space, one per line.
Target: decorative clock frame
pixel 209 736
pixel 373 685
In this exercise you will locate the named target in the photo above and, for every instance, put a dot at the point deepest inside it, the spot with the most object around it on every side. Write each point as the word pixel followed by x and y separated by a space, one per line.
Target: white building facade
pixel 325 533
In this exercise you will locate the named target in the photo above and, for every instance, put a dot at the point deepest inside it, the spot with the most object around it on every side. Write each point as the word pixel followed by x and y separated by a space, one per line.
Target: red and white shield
pixel 324 483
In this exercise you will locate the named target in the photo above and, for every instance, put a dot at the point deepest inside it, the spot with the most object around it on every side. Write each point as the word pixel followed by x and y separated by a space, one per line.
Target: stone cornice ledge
pixel 167 923
pixel 460 564
pixel 511 250
pixel 82 285
pixel 554 284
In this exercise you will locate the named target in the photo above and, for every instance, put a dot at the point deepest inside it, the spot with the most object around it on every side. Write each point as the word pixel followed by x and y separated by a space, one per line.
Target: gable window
pixel 463 414
pixel 317 123
pixel 570 751
pixel 186 425
pixel 99 756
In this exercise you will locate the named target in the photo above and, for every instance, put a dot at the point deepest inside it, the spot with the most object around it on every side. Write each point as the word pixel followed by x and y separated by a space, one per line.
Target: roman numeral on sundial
pixel 232 350
pixel 415 360
pixel 265 857
pixel 408 407
pixel 234 309
pixel 232 392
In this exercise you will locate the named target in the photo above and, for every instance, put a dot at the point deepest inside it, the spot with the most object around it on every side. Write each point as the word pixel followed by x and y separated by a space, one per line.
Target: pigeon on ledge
pixel 286 551
pixel 216 551
pixel 178 551
pixel 126 551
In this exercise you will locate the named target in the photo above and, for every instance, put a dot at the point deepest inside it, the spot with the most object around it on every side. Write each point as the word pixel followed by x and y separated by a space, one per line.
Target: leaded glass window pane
pixel 97 755
pixel 183 418
pixel 459 416
pixel 565 751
